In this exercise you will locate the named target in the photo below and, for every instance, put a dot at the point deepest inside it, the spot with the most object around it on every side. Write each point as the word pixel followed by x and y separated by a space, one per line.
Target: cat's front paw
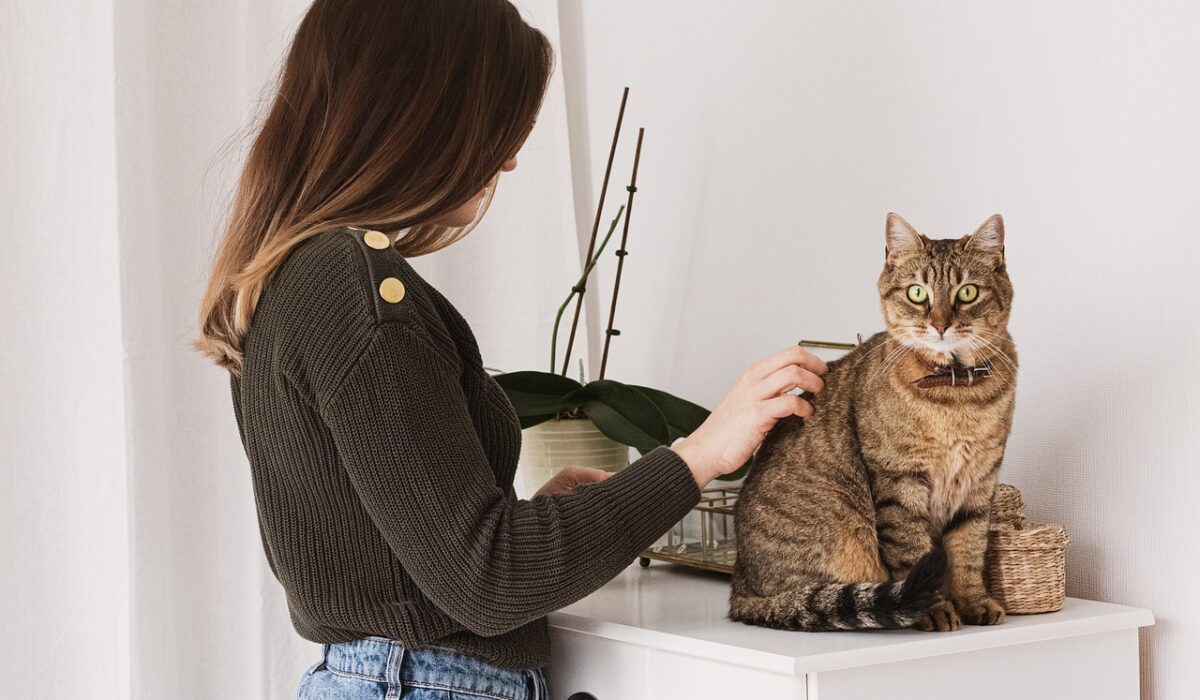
pixel 984 611
pixel 941 617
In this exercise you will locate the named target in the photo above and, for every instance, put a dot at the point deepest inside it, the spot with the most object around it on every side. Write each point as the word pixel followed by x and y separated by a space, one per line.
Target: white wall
pixel 778 136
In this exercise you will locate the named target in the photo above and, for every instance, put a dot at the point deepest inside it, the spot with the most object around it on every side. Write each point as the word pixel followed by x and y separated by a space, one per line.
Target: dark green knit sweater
pixel 382 457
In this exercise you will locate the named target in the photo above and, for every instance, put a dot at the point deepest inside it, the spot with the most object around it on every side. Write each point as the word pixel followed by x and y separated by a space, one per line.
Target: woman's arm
pixel 492 562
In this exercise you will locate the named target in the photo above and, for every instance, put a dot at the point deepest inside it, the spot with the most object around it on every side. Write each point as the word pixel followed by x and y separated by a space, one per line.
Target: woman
pixel 382 453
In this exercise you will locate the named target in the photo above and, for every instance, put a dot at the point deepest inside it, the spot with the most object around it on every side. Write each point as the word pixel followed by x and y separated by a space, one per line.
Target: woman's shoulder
pixel 356 273
pixel 333 292
pixel 340 266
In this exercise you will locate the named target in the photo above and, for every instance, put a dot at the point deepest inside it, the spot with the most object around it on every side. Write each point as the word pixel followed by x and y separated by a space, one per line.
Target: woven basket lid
pixel 1033 536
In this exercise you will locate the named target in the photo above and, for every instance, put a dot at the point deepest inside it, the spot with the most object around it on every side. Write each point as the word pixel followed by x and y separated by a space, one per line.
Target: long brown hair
pixel 389 114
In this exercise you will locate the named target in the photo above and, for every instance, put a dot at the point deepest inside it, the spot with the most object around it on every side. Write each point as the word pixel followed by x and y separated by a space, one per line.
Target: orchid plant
pixel 638 416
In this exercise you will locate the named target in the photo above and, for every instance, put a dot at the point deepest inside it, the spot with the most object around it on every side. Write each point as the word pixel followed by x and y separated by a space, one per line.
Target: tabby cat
pixel 873 513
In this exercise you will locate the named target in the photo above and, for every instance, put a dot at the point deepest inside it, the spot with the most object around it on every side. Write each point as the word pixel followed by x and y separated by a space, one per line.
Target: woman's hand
pixel 569 478
pixel 738 424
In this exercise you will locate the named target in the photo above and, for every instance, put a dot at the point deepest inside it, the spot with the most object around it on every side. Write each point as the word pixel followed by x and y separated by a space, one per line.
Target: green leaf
pixel 682 415
pixel 530 421
pixel 576 398
pixel 537 382
pixel 618 427
pixel 536 394
pixel 626 415
pixel 530 405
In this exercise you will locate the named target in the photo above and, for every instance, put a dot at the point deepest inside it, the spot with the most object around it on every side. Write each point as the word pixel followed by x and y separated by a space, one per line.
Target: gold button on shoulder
pixel 391 289
pixel 376 240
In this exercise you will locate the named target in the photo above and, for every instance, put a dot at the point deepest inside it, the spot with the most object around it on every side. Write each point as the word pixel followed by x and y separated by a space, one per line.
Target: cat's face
pixel 946 299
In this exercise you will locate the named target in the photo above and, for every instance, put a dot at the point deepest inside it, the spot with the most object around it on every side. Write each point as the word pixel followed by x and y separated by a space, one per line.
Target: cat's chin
pixel 933 354
pixel 942 352
pixel 934 357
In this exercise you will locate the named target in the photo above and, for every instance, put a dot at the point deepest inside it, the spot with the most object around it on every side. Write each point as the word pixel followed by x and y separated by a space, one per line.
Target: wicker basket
pixel 1026 562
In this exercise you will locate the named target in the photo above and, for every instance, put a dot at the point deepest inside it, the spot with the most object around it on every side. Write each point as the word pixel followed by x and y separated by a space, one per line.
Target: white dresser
pixel 661 633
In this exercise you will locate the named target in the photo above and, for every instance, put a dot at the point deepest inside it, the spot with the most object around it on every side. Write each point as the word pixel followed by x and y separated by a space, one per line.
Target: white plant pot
pixel 548 447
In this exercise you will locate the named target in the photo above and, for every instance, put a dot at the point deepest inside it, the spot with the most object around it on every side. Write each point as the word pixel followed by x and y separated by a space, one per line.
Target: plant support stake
pixel 621 253
pixel 595 229
pixel 578 288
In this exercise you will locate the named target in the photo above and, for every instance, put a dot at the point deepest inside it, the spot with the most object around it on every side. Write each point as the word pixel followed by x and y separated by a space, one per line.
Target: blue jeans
pixel 375 668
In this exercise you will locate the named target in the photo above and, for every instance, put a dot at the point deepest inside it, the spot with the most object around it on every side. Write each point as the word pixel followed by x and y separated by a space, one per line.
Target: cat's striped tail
pixel 846 606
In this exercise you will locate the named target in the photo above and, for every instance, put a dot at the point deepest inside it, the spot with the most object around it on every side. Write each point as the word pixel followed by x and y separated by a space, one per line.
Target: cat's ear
pixel 989 237
pixel 902 238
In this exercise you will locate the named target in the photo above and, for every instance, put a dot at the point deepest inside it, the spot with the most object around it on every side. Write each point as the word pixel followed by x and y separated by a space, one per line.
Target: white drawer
pixel 607 669
pixel 614 670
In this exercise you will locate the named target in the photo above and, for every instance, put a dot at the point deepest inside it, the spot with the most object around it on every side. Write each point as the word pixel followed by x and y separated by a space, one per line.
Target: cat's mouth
pixel 942 351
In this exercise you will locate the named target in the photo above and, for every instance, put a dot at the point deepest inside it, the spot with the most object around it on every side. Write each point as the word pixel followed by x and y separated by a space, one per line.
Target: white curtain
pixel 130 560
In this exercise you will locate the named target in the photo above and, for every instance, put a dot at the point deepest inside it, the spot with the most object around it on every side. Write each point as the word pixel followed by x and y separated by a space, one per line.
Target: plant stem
pixel 579 285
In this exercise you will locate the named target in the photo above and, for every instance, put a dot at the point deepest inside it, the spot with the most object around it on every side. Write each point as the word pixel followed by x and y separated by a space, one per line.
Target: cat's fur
pixel 847 520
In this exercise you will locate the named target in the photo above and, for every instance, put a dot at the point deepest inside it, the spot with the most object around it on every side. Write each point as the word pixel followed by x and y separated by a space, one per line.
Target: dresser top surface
pixel 682 610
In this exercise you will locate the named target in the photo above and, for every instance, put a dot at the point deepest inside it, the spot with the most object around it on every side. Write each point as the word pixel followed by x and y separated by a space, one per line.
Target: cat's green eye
pixel 917 294
pixel 968 293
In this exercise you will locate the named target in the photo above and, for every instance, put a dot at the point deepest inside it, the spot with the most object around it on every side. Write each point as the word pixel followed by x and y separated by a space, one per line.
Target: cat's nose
pixel 940 329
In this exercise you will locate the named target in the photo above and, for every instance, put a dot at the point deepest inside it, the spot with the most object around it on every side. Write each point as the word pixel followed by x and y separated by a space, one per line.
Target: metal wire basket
pixel 704 539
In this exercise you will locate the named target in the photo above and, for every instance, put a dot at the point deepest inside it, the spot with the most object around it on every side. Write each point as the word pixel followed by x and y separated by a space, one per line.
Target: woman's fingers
pixel 571 477
pixel 587 475
pixel 577 476
pixel 787 378
pixel 755 403
pixel 787 405
pixel 791 355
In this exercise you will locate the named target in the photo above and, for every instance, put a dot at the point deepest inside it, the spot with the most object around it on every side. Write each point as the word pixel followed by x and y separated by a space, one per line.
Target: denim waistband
pixel 388 661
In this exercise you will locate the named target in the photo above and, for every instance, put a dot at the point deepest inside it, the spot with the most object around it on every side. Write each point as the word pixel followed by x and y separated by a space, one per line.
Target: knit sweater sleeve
pixel 489 560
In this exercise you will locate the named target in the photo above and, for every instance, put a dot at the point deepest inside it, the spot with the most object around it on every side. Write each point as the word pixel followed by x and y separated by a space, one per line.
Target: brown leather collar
pixel 955 375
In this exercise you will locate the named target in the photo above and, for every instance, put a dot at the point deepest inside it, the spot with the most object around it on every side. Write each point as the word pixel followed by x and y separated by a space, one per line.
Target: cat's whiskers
pixel 996 346
pixel 893 358
pixel 977 343
pixel 999 353
pixel 1011 372
pixel 987 331
pixel 1001 337
pixel 865 355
